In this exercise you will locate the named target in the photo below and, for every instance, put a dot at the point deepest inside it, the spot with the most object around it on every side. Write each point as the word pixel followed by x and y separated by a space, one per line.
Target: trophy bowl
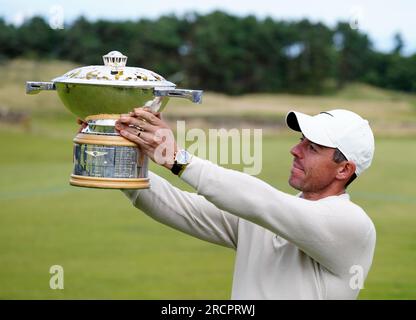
pixel 98 95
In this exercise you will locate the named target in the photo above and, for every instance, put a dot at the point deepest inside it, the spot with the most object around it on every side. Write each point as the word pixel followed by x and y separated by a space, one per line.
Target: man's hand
pixel 150 133
pixel 82 123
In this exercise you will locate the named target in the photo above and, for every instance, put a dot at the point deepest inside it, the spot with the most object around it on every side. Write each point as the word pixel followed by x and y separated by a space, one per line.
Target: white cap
pixel 340 129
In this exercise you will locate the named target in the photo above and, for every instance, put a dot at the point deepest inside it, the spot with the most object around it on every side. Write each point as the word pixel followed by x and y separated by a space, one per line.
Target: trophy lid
pixel 114 73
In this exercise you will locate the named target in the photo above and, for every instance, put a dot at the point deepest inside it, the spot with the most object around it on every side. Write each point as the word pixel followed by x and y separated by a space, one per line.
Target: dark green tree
pixel 354 54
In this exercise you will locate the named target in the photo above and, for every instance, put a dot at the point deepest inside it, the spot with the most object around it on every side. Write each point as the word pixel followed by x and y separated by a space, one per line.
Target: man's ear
pixel 345 170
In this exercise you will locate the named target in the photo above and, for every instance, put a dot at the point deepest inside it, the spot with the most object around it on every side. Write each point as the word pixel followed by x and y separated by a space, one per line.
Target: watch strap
pixel 177 168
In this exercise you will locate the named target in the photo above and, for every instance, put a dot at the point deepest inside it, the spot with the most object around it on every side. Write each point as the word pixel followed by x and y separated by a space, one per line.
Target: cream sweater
pixel 287 247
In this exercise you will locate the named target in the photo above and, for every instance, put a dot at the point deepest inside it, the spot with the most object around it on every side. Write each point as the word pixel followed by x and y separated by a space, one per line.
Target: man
pixel 316 245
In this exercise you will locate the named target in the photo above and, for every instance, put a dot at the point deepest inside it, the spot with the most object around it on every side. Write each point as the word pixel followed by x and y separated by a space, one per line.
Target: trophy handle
pixel 33 87
pixel 194 95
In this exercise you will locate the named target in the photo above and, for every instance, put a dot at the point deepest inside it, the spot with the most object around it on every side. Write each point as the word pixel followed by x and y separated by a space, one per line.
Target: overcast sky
pixel 380 19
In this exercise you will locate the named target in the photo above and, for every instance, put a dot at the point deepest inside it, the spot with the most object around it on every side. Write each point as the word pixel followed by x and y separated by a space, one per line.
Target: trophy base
pixel 109 183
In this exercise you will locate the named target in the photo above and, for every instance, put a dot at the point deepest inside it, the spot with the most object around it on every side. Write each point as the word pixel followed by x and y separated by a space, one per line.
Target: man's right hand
pixel 82 123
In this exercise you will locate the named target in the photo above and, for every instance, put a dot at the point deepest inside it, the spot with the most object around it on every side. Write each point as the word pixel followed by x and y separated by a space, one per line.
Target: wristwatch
pixel 181 159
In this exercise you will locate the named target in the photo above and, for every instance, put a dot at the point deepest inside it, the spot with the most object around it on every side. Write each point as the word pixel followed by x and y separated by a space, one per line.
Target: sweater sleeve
pixel 332 231
pixel 186 212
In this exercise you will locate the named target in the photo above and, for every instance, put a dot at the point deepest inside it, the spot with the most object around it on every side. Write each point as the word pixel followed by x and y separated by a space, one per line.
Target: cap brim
pixel 311 127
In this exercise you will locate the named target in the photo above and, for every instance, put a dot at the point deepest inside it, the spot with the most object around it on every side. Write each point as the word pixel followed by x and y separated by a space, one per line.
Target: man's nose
pixel 296 150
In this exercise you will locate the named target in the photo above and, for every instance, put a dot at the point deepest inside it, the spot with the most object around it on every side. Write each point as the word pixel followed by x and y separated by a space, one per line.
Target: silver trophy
pixel 98 95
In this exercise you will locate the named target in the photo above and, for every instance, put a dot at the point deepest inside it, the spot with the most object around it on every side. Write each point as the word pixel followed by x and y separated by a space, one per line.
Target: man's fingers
pixel 145 109
pixel 82 123
pixel 146 114
pixel 139 123
pixel 157 114
pixel 130 135
pixel 146 138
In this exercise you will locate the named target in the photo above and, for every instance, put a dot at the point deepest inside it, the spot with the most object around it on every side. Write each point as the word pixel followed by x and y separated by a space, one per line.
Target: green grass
pixel 110 250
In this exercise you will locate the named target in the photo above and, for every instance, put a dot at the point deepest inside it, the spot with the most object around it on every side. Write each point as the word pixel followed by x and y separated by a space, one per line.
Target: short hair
pixel 338 157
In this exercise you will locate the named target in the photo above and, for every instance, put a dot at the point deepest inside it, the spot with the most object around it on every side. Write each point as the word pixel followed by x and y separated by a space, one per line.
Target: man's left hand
pixel 153 136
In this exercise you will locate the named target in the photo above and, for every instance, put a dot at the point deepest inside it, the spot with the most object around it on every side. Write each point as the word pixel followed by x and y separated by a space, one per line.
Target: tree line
pixel 221 52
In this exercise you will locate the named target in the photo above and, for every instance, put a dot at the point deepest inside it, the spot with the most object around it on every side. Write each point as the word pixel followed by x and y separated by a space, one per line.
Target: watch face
pixel 182 157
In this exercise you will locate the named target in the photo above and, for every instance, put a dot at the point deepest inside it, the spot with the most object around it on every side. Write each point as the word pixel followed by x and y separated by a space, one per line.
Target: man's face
pixel 313 167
